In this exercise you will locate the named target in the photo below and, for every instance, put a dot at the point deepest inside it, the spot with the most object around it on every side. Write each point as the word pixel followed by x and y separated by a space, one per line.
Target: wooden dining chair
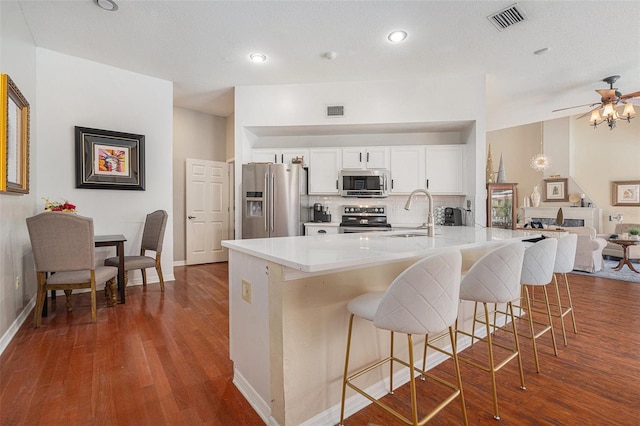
pixel 64 256
pixel 152 237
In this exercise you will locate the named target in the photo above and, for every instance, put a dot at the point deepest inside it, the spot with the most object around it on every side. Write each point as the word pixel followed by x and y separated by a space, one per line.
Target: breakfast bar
pixel 288 318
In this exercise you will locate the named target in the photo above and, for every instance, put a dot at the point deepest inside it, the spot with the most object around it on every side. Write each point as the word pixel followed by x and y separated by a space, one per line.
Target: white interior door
pixel 207 211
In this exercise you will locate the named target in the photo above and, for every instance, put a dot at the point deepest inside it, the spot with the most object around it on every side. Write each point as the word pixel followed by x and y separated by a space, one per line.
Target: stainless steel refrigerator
pixel 274 200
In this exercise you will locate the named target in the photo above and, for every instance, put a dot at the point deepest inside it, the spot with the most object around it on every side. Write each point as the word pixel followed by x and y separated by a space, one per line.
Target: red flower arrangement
pixel 55 206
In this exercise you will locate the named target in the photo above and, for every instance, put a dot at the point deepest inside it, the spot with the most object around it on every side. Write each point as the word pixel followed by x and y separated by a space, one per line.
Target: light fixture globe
pixel 540 162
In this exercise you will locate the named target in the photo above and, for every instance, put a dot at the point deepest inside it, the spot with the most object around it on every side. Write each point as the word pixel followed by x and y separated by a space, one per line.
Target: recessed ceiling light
pixel 258 57
pixel 397 36
pixel 108 5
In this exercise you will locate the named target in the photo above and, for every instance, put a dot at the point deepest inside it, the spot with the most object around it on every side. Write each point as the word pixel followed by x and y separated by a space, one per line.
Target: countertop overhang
pixel 324 253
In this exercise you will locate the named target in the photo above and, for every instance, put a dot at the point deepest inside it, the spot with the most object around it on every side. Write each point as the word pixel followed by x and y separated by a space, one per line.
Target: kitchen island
pixel 288 317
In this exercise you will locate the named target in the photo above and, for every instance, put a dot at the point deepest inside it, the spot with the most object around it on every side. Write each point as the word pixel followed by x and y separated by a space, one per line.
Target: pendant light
pixel 540 162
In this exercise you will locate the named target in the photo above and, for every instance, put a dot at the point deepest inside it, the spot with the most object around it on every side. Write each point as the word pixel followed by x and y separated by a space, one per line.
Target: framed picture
pixel 109 160
pixel 555 190
pixel 14 138
pixel 626 193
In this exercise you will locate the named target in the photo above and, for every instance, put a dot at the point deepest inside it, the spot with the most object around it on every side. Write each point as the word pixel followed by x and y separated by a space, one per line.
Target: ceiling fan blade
pixel 577 106
pixel 630 95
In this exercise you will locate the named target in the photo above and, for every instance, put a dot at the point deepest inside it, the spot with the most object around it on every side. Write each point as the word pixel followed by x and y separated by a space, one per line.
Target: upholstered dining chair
pixel 422 300
pixel 152 237
pixel 64 256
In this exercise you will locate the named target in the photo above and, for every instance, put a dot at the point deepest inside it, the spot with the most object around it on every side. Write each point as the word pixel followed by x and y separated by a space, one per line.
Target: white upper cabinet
pixel 324 167
pixel 365 158
pixel 407 169
pixel 276 155
pixel 445 170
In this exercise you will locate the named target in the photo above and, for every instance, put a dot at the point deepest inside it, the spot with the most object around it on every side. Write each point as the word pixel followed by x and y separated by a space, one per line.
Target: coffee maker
pixel 320 213
pixel 452 216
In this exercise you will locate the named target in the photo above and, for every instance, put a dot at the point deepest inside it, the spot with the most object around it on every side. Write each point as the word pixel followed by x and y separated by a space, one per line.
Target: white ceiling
pixel 203 46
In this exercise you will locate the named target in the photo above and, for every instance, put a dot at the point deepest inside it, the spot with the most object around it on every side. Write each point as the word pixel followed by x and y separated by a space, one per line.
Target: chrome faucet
pixel 429 223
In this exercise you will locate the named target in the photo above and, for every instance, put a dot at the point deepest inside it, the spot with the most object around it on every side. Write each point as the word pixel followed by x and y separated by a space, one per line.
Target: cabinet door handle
pixel 391 183
pixel 337 184
pixel 367 157
pixel 191 217
pixel 275 158
pixel 322 231
pixel 360 157
pixel 427 184
pixel 282 158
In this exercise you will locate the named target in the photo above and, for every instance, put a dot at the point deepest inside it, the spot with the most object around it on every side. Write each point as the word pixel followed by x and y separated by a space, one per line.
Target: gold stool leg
pixel 492 367
pixel 570 308
pixel 560 312
pixel 391 364
pixel 549 319
pixel 531 329
pixel 346 369
pixel 517 344
pixel 456 365
pixel 412 383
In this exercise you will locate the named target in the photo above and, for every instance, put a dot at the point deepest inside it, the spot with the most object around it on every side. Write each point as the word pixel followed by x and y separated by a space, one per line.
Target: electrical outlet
pixel 17 282
pixel 246 291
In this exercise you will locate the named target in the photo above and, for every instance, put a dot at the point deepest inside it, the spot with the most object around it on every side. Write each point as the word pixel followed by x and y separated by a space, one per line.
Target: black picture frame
pixel 109 160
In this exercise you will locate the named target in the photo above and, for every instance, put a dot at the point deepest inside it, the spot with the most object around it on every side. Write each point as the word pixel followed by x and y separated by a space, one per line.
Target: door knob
pixel 191 217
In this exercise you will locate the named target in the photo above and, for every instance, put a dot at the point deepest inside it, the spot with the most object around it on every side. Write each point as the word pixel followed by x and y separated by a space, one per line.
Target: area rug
pixel 624 274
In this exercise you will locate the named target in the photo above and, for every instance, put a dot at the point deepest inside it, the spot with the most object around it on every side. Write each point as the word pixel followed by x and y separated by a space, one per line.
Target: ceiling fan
pixel 610 99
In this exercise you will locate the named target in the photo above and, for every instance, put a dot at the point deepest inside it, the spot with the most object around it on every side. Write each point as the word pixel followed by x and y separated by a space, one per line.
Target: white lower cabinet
pixel 324 167
pixel 321 228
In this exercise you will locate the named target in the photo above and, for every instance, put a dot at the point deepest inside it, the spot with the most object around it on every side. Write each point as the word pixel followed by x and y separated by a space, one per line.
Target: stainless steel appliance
pixel 274 200
pixel 452 216
pixel 363 219
pixel 371 183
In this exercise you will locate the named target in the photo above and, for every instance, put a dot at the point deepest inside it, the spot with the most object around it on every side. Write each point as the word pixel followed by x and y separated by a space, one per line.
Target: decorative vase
pixel 535 197
pixel 526 202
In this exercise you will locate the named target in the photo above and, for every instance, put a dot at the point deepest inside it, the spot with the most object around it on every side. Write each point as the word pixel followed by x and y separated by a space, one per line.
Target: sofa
pixel 589 249
pixel 615 250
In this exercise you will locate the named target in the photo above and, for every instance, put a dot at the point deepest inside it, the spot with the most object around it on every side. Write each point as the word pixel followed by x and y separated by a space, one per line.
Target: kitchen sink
pixel 409 235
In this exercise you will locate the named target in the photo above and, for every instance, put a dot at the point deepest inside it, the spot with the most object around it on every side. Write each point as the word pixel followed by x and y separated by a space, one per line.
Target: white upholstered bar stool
pixel 565 259
pixel 422 300
pixel 537 271
pixel 494 278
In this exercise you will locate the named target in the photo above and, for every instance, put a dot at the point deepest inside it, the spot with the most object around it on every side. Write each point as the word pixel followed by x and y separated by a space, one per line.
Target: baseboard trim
pixel 15 326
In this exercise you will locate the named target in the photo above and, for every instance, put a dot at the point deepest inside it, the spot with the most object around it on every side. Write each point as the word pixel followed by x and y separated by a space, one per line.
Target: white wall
pixel 77 92
pixel 18 60
pixel 195 135
pixel 370 103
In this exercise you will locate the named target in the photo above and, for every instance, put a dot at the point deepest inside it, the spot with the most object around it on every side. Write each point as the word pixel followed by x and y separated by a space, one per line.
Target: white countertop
pixel 331 252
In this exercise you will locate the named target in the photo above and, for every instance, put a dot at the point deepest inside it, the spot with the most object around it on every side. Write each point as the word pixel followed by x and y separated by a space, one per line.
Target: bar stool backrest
pixel 566 253
pixel 423 299
pixel 495 277
pixel 539 260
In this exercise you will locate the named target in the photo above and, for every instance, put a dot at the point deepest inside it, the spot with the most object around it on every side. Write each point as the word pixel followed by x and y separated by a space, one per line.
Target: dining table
pixel 116 240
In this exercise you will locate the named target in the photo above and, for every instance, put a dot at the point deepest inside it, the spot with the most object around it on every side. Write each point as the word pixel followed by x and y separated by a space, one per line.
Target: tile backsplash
pixel 396 214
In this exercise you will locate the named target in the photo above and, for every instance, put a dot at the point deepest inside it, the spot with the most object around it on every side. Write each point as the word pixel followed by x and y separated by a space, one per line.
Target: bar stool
pixel 422 300
pixel 494 278
pixel 537 271
pixel 565 258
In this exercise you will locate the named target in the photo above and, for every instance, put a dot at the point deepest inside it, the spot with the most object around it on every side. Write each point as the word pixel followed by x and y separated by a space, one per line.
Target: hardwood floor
pixel 163 359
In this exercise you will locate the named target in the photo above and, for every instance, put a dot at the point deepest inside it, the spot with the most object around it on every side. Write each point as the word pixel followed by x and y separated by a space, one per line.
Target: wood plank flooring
pixel 163 359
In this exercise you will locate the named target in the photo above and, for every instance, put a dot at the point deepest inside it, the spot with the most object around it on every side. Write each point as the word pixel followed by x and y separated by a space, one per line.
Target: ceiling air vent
pixel 335 111
pixel 507 17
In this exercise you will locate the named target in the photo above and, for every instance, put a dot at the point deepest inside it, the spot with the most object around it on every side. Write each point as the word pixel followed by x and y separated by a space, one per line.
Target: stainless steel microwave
pixel 370 183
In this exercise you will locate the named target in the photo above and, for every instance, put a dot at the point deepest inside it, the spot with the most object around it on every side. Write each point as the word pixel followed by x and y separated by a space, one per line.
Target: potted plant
pixel 634 233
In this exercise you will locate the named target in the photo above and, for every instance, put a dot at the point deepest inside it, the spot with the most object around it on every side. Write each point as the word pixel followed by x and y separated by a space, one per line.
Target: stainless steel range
pixel 363 219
